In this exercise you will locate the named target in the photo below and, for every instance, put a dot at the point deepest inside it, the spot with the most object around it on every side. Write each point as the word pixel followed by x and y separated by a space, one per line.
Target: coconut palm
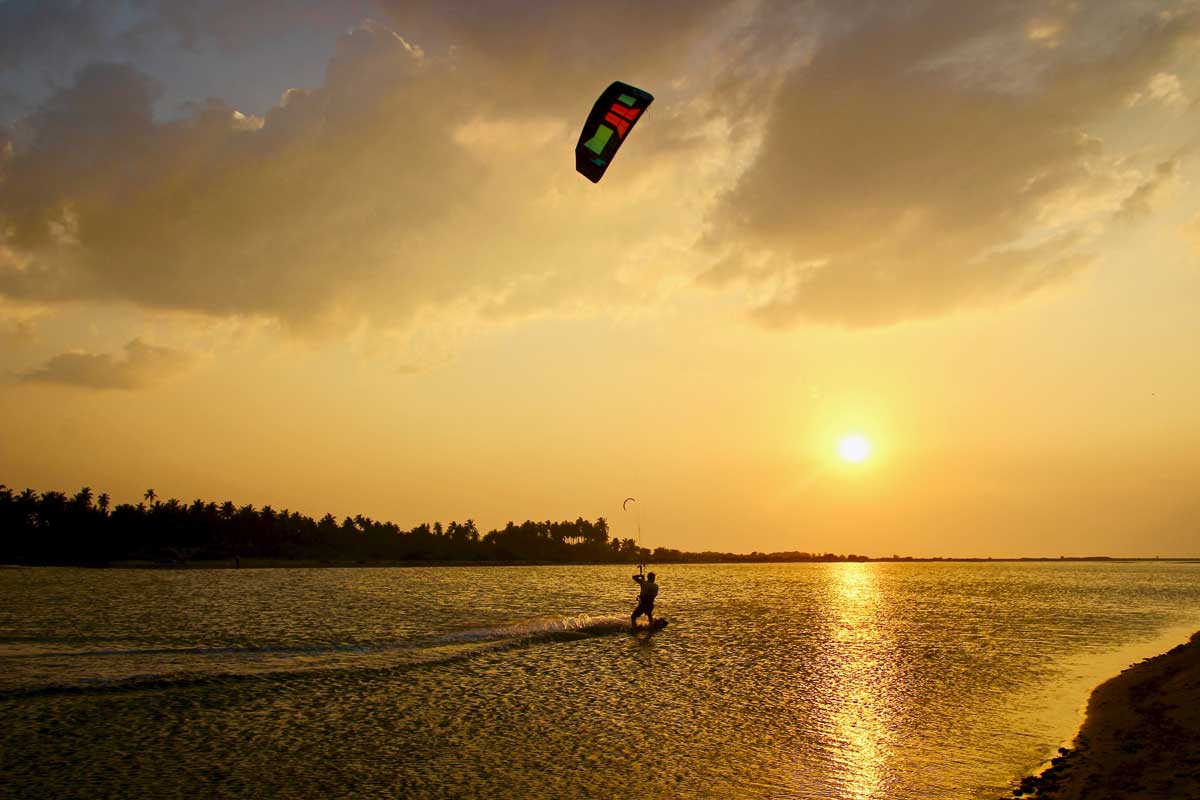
pixel 84 497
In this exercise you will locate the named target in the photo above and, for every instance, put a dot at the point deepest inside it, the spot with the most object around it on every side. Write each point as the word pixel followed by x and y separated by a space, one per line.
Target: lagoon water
pixel 872 680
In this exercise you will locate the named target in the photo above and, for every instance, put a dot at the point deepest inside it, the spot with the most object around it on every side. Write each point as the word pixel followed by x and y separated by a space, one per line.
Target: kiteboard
pixel 657 625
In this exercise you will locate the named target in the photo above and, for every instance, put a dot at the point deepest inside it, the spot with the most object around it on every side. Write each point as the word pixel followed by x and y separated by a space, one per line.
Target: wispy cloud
pixel 139 366
pixel 1142 201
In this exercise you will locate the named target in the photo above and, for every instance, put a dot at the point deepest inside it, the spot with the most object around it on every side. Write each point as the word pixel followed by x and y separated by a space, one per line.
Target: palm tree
pixel 84 497
pixel 103 500
pixel 51 507
pixel 150 496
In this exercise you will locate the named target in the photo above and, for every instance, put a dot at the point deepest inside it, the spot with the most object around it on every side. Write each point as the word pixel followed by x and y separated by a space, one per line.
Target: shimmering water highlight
pixel 805 681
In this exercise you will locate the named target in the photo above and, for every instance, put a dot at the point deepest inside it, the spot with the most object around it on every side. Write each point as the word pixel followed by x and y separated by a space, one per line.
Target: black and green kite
pixel 612 118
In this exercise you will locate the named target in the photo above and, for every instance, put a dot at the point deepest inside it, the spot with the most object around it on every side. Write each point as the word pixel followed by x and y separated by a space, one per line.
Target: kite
pixel 627 499
pixel 611 120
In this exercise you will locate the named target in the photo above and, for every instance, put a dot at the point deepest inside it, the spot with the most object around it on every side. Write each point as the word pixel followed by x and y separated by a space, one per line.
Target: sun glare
pixel 854 449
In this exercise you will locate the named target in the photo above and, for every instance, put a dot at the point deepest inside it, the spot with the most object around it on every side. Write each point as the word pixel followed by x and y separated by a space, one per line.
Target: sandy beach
pixel 1140 740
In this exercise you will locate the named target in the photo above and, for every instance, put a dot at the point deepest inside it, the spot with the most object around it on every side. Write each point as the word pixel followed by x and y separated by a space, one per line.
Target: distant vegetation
pixel 85 528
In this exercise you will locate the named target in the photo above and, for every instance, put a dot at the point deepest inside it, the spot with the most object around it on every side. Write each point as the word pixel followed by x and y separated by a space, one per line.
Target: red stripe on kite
pixel 621 125
pixel 628 113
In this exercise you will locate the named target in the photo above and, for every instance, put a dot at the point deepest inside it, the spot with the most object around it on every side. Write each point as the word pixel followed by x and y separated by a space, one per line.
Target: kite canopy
pixel 612 118
pixel 628 500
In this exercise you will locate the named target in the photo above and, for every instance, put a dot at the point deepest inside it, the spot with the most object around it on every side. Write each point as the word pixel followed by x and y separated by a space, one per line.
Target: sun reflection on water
pixel 860 717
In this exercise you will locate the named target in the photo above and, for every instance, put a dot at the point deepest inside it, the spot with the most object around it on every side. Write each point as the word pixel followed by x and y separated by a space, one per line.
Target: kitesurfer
pixel 645 598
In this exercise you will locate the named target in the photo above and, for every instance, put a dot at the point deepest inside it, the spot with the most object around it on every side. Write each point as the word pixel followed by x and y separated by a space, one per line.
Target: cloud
pixel 851 165
pixel 196 46
pixel 18 324
pixel 938 158
pixel 1164 88
pixel 408 180
pixel 1141 202
pixel 140 366
pixel 1045 31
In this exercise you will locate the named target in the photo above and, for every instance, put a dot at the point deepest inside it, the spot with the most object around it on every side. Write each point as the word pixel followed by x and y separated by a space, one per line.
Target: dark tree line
pixel 85 528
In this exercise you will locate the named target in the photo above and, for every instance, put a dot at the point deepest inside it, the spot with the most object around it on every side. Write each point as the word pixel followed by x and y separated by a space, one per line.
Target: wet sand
pixel 1140 740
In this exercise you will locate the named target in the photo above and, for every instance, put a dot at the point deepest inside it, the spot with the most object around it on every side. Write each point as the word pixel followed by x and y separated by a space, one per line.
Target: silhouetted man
pixel 645 599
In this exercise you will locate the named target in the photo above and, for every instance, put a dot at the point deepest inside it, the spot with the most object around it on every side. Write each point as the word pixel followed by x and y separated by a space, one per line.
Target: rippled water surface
pixel 801 681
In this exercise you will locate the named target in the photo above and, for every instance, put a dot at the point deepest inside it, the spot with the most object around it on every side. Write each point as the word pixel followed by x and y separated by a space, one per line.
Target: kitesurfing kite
pixel 612 118
pixel 626 503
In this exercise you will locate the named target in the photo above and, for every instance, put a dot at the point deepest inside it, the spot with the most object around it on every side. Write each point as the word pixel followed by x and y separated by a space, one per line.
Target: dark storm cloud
pixel 140 365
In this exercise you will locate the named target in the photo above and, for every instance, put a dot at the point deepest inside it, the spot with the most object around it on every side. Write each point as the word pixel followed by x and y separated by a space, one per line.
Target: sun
pixel 854 448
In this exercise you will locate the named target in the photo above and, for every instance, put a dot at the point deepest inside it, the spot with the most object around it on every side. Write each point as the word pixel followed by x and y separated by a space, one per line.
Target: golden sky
pixel 341 261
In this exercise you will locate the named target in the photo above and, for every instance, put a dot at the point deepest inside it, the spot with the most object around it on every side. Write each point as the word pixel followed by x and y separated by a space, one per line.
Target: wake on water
pixel 116 670
pixel 551 628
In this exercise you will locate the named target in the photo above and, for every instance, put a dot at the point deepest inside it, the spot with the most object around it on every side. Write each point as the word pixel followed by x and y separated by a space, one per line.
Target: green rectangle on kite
pixel 627 100
pixel 599 139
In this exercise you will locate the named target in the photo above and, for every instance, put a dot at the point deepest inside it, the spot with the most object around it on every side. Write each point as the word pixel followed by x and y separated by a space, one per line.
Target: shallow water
pixel 800 681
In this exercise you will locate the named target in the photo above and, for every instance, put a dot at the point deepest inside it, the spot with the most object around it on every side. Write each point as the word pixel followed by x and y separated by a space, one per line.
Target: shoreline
pixel 1140 737
pixel 302 563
